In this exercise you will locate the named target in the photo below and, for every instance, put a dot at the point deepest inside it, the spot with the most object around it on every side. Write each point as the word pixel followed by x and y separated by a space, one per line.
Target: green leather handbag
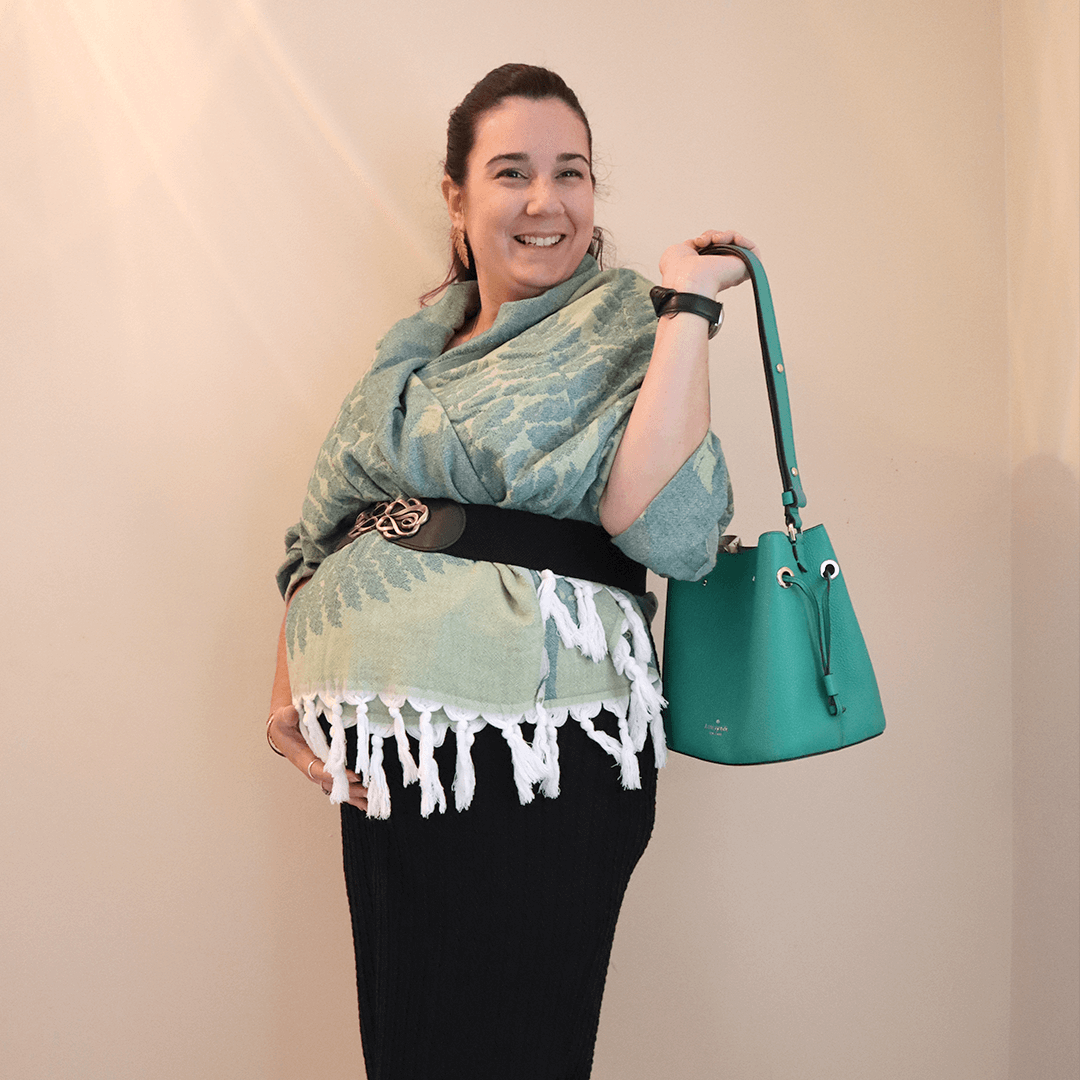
pixel 763 657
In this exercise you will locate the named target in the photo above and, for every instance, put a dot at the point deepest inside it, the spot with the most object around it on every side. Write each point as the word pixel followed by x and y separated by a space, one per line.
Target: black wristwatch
pixel 668 302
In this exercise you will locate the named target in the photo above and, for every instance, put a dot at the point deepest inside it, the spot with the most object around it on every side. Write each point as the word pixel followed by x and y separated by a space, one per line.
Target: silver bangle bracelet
pixel 273 745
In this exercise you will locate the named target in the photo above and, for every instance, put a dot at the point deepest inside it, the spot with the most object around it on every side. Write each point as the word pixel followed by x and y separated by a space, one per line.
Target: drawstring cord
pixel 823 618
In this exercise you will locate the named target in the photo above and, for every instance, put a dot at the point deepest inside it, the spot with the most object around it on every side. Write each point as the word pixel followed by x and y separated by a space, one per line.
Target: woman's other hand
pixel 283 728
pixel 684 270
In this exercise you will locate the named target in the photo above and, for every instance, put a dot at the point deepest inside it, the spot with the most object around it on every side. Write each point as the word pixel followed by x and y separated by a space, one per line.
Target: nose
pixel 544 199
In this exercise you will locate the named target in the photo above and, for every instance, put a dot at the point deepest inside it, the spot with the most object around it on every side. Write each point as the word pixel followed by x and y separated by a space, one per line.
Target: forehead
pixel 538 128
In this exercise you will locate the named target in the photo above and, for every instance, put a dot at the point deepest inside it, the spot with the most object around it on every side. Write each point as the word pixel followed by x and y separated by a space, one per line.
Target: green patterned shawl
pixel 403 643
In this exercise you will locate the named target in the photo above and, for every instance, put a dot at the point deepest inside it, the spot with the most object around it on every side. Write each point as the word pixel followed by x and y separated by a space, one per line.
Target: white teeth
pixel 539 241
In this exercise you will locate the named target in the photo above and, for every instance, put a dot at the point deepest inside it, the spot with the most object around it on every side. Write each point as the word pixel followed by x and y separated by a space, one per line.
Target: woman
pixel 512 659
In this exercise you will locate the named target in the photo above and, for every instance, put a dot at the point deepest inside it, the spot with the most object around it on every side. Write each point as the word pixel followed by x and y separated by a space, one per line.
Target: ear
pixel 455 201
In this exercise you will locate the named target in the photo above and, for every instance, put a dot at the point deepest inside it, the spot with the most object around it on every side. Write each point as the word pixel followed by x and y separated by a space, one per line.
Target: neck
pixel 483 320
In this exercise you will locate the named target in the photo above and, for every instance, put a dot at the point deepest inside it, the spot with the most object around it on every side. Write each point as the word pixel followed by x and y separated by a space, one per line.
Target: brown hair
pixel 510 80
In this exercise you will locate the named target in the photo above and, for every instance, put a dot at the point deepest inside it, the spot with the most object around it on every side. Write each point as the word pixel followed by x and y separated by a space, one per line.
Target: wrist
pixel 275 714
pixel 683 279
pixel 669 302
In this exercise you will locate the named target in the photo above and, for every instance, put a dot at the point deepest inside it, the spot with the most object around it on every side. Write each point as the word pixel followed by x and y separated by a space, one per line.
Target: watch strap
pixel 670 302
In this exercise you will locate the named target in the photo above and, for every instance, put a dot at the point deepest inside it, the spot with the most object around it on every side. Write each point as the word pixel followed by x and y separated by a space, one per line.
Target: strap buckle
pixel 400 517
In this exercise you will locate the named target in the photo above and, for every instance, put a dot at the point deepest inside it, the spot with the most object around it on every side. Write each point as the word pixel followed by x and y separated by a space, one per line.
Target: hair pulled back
pixel 507 81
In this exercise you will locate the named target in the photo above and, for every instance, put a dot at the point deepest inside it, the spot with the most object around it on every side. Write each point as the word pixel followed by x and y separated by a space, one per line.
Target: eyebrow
pixel 519 156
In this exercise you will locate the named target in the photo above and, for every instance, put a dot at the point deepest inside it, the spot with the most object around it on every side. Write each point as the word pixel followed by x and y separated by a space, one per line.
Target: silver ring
pixel 310 763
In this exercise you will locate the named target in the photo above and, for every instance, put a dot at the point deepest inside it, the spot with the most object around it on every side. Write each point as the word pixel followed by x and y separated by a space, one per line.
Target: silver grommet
pixel 780 577
pixel 830 568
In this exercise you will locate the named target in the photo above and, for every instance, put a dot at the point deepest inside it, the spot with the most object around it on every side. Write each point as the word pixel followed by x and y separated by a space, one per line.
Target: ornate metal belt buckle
pixel 401 517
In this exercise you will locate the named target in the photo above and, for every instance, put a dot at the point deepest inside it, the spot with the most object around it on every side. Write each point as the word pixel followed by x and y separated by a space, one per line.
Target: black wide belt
pixel 576 549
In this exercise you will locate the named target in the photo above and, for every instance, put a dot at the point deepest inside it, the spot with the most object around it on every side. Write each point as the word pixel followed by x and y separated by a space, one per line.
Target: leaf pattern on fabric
pixel 527 415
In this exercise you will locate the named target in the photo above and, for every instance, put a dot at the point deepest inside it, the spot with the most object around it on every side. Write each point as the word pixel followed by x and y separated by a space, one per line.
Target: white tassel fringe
pixel 536 763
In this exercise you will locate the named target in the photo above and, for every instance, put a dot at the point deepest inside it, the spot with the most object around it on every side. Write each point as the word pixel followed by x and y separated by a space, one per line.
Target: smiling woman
pixel 525 209
pixel 467 587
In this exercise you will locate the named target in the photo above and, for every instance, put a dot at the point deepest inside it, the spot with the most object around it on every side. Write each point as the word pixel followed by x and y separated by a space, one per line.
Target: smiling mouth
pixel 539 241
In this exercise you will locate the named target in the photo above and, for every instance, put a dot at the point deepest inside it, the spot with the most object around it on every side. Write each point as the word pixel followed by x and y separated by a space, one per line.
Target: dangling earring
pixel 457 238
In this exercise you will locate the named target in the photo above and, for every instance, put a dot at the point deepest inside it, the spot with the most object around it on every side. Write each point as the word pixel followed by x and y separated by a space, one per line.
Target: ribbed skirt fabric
pixel 483 936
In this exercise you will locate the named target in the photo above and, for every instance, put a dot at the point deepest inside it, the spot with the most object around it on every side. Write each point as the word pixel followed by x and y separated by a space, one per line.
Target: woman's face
pixel 527 202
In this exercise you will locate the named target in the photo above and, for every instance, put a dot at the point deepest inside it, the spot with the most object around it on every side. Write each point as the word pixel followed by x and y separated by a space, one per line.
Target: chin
pixel 527 273
pixel 552 271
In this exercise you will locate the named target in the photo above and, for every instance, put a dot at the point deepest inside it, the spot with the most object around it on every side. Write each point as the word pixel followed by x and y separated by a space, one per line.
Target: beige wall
pixel 1042 85
pixel 211 212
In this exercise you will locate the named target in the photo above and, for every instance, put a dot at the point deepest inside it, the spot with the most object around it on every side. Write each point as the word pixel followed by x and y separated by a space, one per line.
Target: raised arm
pixel 671 414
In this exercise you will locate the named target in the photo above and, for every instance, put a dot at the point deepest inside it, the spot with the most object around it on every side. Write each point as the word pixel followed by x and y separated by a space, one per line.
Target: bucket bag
pixel 763 657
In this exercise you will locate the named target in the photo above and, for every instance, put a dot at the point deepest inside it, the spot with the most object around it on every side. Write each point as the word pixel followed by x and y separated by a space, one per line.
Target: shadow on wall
pixel 1046 769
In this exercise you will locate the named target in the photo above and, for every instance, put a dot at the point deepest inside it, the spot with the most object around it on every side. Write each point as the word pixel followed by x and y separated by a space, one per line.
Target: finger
pixel 743 241
pixel 357 792
pixel 722 236
pixel 713 236
pixel 318 773
pixel 737 271
pixel 358 795
pixel 285 728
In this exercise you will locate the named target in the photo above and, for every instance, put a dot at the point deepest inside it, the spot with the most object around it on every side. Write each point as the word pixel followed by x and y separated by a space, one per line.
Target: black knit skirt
pixel 483 936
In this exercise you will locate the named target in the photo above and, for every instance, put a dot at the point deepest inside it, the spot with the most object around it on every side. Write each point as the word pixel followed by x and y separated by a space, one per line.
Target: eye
pixel 510 174
pixel 574 174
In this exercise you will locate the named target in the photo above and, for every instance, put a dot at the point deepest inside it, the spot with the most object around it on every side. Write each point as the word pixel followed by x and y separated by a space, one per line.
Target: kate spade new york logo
pixel 716 728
